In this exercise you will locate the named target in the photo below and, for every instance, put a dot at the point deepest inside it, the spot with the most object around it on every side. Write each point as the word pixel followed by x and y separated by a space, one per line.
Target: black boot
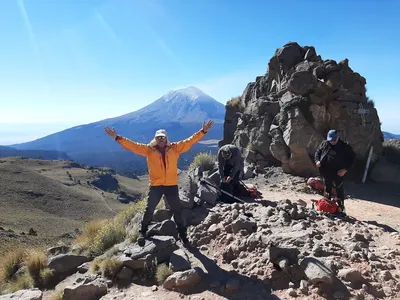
pixel 141 238
pixel 183 236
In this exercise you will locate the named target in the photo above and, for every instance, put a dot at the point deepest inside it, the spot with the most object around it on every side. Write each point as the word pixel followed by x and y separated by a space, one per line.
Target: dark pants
pixel 229 187
pixel 331 177
pixel 171 194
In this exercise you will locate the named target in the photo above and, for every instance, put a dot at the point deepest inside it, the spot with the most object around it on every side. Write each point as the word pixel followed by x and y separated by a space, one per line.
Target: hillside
pixel 180 112
pixel 38 154
pixel 389 136
pixel 56 198
pixel 274 247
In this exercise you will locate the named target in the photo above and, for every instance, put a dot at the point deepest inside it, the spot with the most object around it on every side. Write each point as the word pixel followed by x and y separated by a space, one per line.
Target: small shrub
pixel 162 273
pixel 251 147
pixel 127 215
pixel 234 102
pixel 45 275
pixel 370 101
pixel 111 234
pixel 110 268
pixel 149 271
pixel 133 236
pixel 89 233
pixel 100 236
pixel 25 281
pixel 95 266
pixel 35 261
pixel 204 161
pixel 12 261
pixel 57 295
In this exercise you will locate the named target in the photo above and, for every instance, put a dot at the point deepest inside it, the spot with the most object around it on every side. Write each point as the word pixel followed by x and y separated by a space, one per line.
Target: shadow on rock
pixel 228 284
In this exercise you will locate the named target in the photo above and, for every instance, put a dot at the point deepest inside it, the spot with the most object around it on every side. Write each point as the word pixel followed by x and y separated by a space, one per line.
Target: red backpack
pixel 318 185
pixel 325 205
pixel 252 190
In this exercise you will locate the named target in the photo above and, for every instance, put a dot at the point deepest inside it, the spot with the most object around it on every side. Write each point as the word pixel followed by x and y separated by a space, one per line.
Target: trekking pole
pixel 221 190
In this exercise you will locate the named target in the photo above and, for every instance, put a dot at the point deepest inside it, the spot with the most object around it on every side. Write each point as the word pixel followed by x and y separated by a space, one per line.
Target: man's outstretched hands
pixel 208 125
pixel 111 132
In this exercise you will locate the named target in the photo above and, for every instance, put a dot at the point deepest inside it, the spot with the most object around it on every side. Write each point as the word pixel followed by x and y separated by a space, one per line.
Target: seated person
pixel 230 166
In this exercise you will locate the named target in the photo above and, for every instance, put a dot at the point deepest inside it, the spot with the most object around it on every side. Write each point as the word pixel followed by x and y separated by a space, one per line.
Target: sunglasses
pixel 160 137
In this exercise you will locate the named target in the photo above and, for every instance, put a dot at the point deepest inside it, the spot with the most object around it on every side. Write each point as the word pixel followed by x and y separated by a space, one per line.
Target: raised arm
pixel 137 148
pixel 185 145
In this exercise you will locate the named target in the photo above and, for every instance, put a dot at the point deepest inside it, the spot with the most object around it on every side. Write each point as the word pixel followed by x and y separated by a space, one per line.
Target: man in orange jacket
pixel 162 162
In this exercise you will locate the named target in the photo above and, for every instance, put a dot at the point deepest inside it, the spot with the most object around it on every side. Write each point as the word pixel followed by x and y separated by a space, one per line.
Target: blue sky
pixel 70 62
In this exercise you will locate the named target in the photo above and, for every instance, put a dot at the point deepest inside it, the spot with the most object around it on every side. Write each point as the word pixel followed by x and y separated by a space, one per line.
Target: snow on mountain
pixel 188 105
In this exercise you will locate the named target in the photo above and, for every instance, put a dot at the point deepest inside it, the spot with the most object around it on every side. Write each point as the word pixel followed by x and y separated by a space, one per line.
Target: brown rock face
pixel 285 114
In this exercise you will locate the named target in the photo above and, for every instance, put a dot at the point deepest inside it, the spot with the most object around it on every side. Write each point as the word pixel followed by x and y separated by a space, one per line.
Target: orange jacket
pixel 159 174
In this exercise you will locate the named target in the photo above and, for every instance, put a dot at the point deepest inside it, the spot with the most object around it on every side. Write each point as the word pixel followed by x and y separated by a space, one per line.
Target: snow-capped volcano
pixel 188 105
pixel 190 93
pixel 181 112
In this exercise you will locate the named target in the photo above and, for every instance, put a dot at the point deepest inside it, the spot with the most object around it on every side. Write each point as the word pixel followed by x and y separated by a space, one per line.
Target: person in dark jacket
pixel 230 166
pixel 334 158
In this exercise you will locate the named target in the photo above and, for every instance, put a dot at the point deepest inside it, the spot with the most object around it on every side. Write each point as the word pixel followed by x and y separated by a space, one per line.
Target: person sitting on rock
pixel 334 157
pixel 162 162
pixel 230 166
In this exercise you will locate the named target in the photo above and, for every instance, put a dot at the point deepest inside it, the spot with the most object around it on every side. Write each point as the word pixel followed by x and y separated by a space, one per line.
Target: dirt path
pixel 105 201
pixel 384 214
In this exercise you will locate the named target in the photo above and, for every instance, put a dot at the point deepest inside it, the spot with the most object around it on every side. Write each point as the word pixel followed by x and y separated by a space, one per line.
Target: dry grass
pixel 31 267
pixel 111 234
pixel 39 194
pixel 35 261
pixel 57 295
pixel 100 236
pixel 12 261
pixel 90 231
pixel 251 147
pixel 127 215
pixel 133 236
pixel 46 275
pixel 108 267
pixel 162 273
pixel 25 281
pixel 235 102
pixel 204 161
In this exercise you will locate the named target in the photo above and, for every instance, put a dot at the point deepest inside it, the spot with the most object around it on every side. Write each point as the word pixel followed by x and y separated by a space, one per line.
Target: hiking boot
pixel 183 237
pixel 141 239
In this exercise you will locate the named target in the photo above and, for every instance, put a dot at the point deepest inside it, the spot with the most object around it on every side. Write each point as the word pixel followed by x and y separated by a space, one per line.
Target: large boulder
pixel 91 288
pixel 33 294
pixel 185 279
pixel 66 263
pixel 287 112
pixel 157 249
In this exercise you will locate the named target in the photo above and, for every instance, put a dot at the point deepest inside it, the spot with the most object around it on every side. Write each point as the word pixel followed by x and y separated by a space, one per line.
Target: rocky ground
pixel 274 248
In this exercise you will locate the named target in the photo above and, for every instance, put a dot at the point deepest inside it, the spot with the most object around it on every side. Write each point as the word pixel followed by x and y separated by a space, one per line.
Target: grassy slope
pixel 41 195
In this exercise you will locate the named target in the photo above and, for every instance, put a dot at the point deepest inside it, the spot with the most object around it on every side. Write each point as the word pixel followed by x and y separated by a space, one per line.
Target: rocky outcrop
pixel 233 108
pixel 288 111
pixel 294 248
pixel 387 168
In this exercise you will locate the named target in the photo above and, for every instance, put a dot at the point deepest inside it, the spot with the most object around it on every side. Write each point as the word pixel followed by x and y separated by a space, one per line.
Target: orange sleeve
pixel 137 148
pixel 185 145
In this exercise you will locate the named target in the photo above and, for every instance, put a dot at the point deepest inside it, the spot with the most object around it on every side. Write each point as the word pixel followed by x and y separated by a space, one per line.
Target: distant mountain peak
pixel 188 93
